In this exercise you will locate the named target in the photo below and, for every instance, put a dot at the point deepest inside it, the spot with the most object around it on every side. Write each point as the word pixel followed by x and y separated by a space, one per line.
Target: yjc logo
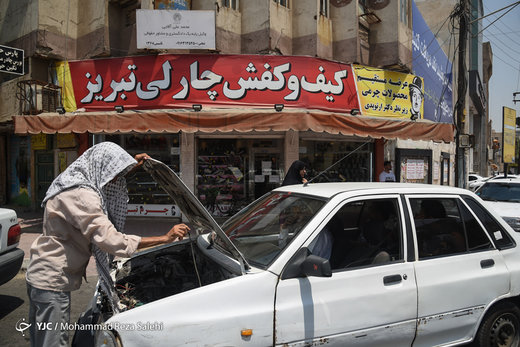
pixel 21 326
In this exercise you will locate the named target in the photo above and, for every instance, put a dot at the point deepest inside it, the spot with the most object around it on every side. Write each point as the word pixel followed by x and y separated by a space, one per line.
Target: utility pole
pixel 460 165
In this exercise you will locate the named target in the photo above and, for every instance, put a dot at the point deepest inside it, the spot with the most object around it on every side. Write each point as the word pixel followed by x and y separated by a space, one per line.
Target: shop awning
pixel 223 120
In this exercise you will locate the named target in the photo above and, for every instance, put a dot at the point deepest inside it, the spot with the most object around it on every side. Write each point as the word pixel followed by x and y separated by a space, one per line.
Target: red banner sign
pixel 179 81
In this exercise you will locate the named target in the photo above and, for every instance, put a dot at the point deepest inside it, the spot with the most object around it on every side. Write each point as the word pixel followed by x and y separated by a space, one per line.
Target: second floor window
pixel 324 8
pixel 404 12
pixel 284 3
pixel 233 4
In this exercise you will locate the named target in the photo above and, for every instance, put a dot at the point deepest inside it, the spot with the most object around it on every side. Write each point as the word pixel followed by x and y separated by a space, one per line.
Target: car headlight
pixel 514 222
pixel 106 338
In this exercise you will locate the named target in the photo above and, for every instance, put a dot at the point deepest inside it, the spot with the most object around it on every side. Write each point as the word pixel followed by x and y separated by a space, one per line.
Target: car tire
pixel 500 327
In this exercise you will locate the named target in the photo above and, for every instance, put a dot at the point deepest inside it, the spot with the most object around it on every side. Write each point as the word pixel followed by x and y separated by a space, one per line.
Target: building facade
pixel 228 153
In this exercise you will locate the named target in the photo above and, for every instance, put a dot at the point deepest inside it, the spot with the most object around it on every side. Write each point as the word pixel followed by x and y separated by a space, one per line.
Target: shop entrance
pixel 231 173
pixel 266 168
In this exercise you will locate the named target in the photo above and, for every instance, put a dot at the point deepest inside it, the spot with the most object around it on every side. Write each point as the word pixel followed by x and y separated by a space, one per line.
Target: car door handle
pixel 487 263
pixel 392 279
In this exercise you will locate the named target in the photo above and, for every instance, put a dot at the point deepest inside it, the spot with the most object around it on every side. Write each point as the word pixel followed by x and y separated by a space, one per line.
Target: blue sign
pixel 430 62
pixel 173 4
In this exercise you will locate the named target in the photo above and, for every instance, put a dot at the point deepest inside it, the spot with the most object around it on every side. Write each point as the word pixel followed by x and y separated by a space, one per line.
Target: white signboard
pixel 171 29
pixel 415 169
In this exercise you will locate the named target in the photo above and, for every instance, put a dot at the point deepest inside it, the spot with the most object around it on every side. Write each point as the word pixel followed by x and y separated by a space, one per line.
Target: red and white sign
pixel 179 81
pixel 153 210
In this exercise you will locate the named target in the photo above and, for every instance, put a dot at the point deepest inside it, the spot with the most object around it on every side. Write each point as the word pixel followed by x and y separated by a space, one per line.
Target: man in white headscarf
pixel 85 211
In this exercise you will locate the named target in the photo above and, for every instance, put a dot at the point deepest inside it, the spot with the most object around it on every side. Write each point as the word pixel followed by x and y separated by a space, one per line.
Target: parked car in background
pixel 503 195
pixel 11 257
pixel 474 177
pixel 365 264
pixel 474 185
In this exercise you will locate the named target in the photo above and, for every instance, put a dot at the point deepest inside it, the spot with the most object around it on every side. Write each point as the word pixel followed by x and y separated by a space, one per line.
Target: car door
pixel 370 300
pixel 459 272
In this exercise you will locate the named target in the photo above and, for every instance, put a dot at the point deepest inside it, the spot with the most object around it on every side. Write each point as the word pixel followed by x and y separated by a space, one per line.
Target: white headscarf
pixel 96 169
pixel 99 165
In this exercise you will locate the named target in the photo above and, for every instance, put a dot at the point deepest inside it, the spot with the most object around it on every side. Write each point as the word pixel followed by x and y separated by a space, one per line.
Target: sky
pixel 504 36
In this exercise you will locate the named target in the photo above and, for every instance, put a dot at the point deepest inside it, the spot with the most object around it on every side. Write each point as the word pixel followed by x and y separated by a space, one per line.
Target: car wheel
pixel 500 327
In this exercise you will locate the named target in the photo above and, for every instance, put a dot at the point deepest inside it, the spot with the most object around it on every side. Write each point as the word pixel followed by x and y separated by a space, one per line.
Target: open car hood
pixel 190 206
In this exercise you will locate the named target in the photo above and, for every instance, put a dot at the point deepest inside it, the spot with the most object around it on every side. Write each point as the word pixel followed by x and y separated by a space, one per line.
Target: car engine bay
pixel 165 272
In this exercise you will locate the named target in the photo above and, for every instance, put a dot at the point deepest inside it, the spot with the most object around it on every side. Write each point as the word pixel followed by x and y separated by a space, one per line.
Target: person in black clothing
pixel 295 174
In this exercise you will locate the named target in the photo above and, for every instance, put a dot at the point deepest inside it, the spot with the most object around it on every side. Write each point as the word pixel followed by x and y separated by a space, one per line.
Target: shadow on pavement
pixel 8 304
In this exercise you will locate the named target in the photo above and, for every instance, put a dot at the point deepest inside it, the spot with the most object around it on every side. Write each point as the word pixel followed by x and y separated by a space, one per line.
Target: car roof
pixel 515 180
pixel 497 177
pixel 328 190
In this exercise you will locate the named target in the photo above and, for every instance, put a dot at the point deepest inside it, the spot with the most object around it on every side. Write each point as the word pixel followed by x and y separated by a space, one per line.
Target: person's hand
pixel 177 232
pixel 140 158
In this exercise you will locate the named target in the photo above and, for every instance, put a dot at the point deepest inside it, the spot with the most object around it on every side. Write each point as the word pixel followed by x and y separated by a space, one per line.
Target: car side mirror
pixel 304 264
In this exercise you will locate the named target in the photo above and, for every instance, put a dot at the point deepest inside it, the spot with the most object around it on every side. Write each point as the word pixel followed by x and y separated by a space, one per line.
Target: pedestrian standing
pixel 387 175
pixel 295 174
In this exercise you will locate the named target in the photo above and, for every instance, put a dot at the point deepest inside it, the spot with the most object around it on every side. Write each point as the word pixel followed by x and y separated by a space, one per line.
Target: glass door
pixel 266 170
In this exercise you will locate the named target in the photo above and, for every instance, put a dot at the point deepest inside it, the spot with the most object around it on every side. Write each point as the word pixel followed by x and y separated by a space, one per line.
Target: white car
pixel 474 177
pixel 11 257
pixel 503 195
pixel 365 264
pixel 474 185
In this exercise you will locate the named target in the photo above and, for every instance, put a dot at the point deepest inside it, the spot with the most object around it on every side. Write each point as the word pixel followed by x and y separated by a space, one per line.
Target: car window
pixel 500 191
pixel 261 231
pixel 498 234
pixel 438 227
pixel 477 238
pixel 361 233
pixel 446 227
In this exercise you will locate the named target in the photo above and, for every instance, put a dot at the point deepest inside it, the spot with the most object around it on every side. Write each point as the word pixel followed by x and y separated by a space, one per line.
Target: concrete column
pixel 291 148
pixel 187 160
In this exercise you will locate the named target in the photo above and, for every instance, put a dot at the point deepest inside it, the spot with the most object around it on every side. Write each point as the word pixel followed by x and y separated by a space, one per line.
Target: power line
pixel 496 40
pixel 518 3
pixel 487 15
pixel 505 34
pixel 518 82
pixel 505 62
pixel 435 37
pixel 505 52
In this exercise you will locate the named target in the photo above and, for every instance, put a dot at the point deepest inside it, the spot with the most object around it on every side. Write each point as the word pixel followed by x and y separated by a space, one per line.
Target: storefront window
pixel 146 198
pixel 358 167
pixel 231 173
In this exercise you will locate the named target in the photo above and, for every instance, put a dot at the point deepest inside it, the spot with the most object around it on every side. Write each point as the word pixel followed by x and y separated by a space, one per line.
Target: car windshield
pixel 263 229
pixel 509 192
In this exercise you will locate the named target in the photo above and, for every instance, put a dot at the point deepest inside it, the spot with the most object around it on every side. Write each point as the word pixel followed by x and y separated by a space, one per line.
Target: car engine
pixel 165 272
